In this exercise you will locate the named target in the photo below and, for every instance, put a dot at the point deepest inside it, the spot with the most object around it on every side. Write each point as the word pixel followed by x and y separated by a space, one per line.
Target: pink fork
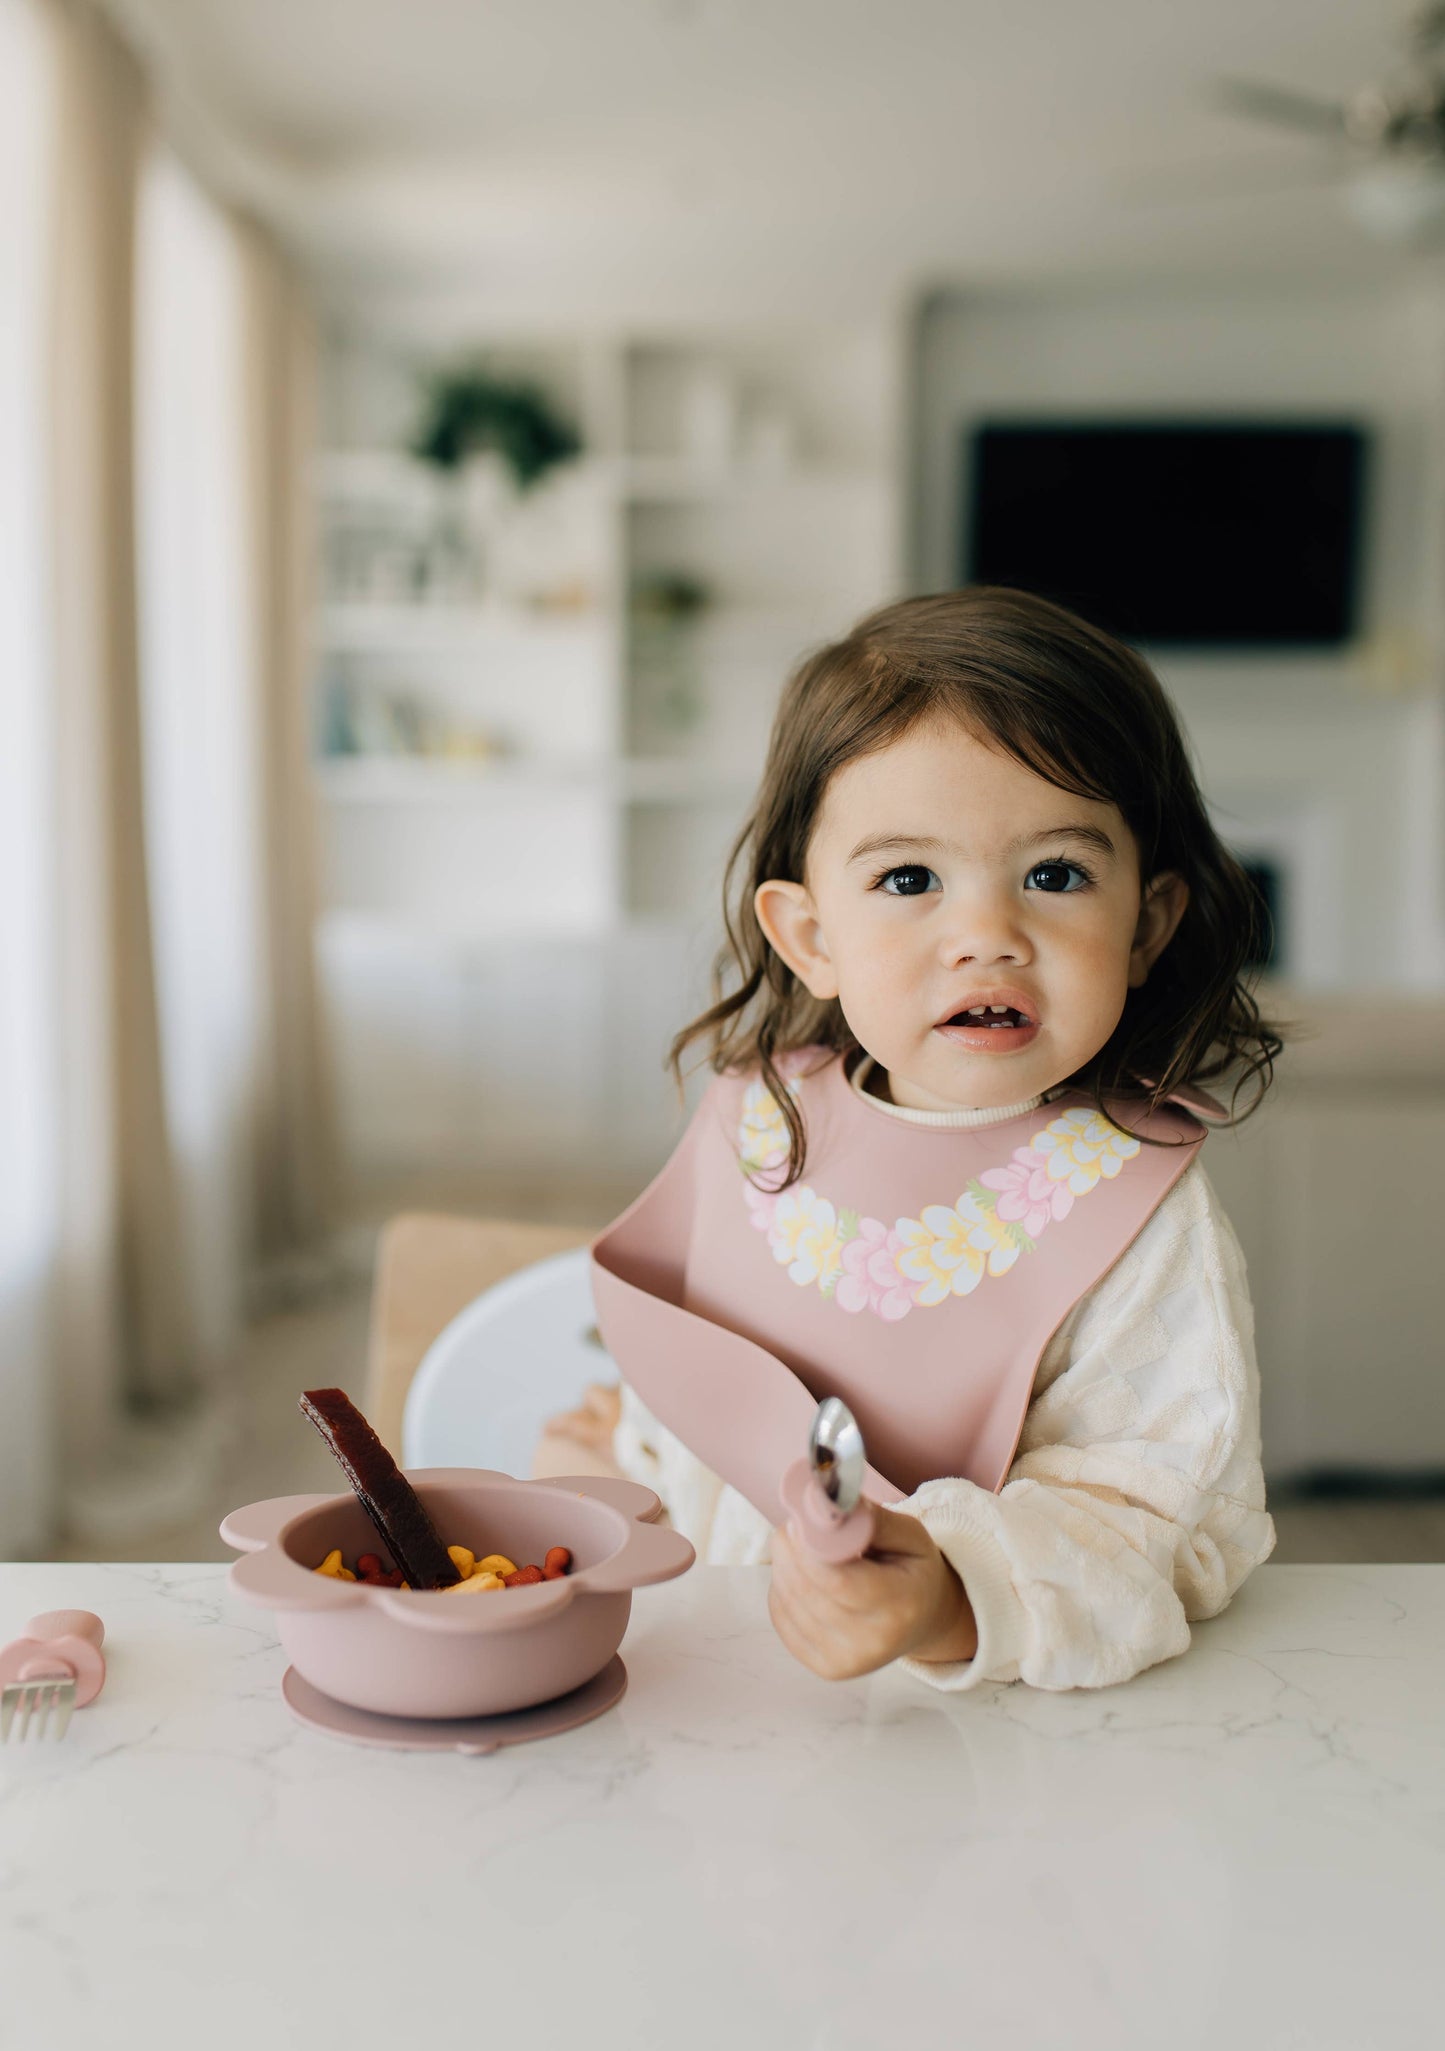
pixel 57 1666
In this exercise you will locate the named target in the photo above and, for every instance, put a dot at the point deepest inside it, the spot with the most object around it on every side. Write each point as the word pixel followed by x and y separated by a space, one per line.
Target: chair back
pixel 520 1352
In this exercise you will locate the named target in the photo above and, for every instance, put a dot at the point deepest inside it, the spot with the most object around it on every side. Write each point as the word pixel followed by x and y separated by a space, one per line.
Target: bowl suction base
pixel 470 1734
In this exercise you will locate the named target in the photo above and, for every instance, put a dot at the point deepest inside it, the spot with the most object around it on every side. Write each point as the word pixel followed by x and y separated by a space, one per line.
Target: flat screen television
pixel 1200 533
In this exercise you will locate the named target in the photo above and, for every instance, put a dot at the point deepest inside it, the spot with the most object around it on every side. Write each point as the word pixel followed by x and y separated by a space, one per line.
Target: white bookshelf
pixel 373 626
pixel 547 784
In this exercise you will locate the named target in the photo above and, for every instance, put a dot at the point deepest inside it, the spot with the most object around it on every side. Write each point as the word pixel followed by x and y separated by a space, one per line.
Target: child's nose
pixel 986 925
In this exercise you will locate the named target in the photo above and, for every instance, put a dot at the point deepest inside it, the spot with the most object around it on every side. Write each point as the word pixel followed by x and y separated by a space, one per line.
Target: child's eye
pixel 1061 870
pixel 911 880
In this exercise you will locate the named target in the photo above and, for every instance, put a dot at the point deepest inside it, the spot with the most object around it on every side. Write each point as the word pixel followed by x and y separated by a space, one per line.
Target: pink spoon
pixel 830 1514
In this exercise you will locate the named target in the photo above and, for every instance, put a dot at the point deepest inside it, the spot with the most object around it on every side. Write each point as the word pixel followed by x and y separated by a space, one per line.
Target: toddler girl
pixel 983 945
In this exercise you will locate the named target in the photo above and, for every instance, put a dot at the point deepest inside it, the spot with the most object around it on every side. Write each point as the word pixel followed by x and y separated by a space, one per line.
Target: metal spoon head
pixel 835 1452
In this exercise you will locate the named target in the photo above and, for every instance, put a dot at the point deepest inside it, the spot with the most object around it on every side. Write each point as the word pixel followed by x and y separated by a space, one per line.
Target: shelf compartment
pixel 674 855
pixel 425 779
pixel 371 626
pixel 516 856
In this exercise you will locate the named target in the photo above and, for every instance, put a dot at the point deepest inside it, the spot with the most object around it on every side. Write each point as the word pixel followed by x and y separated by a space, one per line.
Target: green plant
pixel 669 597
pixel 471 410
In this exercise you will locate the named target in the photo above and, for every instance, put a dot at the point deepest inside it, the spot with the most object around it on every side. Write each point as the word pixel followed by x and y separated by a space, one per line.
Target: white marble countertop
pixel 1244 1848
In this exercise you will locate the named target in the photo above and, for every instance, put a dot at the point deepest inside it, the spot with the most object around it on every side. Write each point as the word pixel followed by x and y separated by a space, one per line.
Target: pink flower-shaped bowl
pixel 403 1652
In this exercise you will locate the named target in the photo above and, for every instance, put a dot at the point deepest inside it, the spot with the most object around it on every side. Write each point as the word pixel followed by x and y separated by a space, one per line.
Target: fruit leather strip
pixel 386 1495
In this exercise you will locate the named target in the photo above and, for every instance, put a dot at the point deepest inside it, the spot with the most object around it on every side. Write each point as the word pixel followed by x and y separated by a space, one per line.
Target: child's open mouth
pixel 989 1028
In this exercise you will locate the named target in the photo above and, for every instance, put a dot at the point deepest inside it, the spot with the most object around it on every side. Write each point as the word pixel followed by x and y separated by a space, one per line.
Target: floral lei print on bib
pixel 865 1264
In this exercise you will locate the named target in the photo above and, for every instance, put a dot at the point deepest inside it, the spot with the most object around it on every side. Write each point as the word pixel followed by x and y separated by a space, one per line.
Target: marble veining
pixel 1244 1845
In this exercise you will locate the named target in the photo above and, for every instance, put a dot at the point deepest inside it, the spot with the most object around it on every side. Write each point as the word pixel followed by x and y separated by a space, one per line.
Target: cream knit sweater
pixel 1135 1503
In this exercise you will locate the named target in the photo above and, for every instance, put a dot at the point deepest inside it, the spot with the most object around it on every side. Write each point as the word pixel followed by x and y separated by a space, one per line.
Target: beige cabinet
pixel 1332 1188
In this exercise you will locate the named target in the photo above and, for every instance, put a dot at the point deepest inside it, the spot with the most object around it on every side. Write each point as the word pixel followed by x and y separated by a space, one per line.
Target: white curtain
pixel 202 782
pixel 164 1119
pixel 29 1077
pixel 224 350
pixel 296 1164
pixel 88 1309
pixel 125 1337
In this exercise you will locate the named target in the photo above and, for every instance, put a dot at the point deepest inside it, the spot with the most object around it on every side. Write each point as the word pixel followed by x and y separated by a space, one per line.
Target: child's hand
pixel 580 1441
pixel 594 1420
pixel 902 1598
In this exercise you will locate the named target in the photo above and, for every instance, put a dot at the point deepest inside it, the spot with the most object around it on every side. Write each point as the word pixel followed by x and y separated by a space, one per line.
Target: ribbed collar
pixel 940 1118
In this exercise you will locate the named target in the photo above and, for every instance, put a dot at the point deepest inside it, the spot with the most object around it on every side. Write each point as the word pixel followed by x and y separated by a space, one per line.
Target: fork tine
pixel 23 1699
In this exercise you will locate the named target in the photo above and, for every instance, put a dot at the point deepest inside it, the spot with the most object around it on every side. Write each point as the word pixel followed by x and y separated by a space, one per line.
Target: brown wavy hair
pixel 1088 715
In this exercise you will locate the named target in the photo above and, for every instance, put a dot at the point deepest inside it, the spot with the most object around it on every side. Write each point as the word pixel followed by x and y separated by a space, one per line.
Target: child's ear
pixel 789 920
pixel 1165 902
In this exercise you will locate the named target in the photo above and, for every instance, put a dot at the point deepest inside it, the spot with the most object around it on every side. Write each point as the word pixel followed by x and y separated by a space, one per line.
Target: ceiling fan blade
pixel 1427 28
pixel 1282 107
pixel 1254 176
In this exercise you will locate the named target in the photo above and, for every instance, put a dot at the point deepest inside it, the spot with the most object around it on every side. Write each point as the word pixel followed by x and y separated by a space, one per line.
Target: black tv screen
pixel 1197 534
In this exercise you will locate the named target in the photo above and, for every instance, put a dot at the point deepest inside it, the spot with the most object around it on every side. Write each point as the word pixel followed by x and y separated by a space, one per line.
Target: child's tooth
pixel 998 1007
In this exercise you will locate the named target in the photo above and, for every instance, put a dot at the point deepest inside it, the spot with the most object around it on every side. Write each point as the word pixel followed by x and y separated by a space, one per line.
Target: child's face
pixel 939 877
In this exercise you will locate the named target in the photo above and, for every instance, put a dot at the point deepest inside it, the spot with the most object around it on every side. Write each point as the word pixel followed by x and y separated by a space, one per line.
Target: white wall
pixel 1333 762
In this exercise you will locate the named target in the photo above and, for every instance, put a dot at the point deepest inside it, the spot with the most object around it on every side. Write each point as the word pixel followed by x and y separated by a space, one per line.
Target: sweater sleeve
pixel 1135 1504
